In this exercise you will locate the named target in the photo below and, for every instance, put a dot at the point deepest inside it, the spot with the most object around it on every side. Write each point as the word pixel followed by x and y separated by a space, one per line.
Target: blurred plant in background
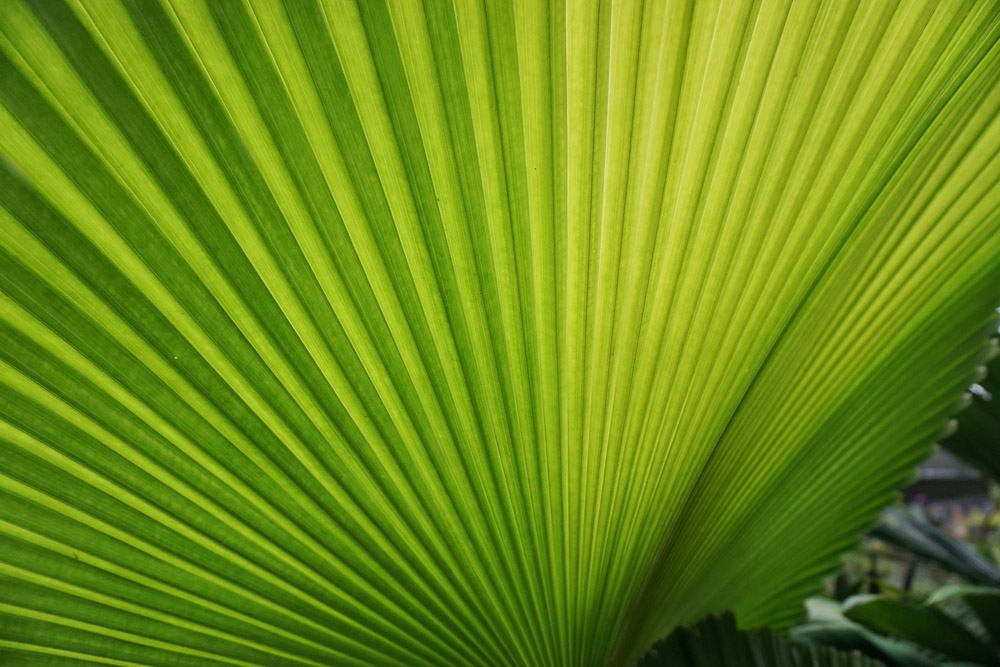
pixel 977 437
pixel 717 641
pixel 916 595
pixel 912 552
pixel 923 588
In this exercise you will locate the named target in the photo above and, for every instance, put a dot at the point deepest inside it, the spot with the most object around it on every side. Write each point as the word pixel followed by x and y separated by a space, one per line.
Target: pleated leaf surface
pixel 472 333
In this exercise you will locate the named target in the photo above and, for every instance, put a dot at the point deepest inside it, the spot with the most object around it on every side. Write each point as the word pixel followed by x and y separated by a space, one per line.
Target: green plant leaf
pixel 957 625
pixel 976 607
pixel 924 625
pixel 472 333
pixel 913 532
pixel 977 438
pixel 826 625
pixel 717 642
pixel 844 635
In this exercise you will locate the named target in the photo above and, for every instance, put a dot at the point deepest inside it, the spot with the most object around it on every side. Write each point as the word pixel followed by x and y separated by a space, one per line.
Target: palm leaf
pixel 471 333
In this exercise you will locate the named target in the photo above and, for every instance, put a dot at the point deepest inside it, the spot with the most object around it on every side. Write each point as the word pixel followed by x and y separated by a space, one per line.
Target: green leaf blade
pixel 507 333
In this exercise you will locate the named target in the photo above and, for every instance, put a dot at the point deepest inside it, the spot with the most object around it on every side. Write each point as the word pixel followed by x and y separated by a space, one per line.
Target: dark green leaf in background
pixel 977 437
pixel 957 625
pixel 912 532
pixel 717 642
